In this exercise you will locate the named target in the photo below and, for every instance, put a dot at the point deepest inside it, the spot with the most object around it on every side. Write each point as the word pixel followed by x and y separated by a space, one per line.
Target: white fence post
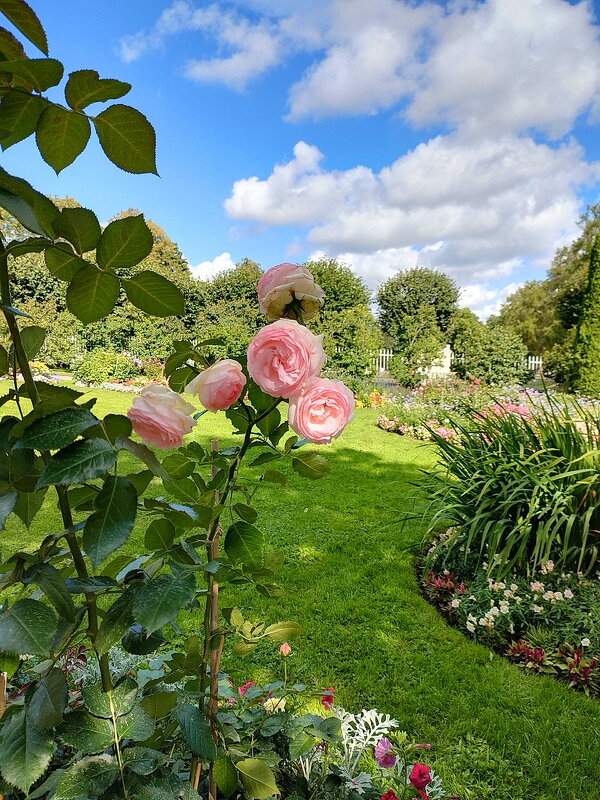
pixel 444 364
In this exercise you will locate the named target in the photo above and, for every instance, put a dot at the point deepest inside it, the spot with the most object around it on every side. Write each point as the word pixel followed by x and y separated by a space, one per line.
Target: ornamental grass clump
pixel 524 487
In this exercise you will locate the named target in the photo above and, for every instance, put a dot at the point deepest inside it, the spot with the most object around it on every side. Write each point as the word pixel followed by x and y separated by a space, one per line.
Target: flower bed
pixel 547 623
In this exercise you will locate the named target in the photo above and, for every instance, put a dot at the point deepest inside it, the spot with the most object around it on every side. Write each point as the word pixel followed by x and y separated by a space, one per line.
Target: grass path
pixel 498 733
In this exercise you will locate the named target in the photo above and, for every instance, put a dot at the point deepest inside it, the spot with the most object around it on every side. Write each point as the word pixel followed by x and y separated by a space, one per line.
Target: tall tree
pixel 531 313
pixel 587 340
pixel 342 287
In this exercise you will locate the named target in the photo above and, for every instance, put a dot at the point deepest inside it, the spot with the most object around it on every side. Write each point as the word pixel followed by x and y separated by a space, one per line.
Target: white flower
pixel 470 627
pixel 514 587
pixel 569 594
pixel 538 609
pixel 585 642
pixel 455 603
pixel 558 595
pixel 503 608
pixel 274 704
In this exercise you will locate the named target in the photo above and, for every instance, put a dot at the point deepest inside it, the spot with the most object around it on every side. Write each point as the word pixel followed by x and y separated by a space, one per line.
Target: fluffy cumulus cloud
pixel 208 269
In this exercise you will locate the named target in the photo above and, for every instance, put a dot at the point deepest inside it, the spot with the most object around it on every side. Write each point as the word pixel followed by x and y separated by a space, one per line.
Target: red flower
pixel 420 777
pixel 389 795
pixel 328 697
pixel 243 689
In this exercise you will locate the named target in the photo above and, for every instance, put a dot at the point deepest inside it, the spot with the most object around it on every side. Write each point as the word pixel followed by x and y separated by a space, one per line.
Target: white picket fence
pixel 444 365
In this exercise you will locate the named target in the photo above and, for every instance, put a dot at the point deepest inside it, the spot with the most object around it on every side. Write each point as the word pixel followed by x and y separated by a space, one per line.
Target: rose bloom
pixel 283 284
pixel 161 417
pixel 384 753
pixel 322 410
pixel 328 697
pixel 219 386
pixel 420 777
pixel 389 795
pixel 243 689
pixel 285 650
pixel 284 356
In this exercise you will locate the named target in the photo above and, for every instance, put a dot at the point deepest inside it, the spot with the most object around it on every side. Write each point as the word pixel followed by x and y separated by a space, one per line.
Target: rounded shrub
pixel 100 366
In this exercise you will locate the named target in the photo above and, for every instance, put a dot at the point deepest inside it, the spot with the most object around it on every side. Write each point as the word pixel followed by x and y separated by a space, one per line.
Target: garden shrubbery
pixel 102 366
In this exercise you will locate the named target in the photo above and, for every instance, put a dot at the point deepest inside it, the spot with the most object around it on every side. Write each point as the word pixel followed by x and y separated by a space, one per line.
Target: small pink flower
pixel 284 356
pixel 285 650
pixel 161 417
pixel 384 754
pixel 243 689
pixel 422 747
pixel 219 386
pixel 283 284
pixel 328 697
pixel 322 410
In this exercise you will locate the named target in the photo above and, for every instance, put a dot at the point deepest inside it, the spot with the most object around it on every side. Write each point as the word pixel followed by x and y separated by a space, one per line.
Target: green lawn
pixel 497 732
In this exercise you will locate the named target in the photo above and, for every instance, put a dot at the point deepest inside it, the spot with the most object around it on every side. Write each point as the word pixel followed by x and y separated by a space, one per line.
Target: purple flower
pixel 384 753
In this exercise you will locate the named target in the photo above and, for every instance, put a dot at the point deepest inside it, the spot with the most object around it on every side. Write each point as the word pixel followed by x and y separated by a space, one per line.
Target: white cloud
pixel 208 269
pixel 477 210
pixel 485 300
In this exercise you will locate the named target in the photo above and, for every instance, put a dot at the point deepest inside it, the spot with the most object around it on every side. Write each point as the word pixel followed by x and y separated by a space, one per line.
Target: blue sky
pixel 459 135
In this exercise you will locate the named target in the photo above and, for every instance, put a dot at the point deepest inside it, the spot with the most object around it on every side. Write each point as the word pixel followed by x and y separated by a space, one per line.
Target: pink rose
pixel 219 386
pixel 161 417
pixel 283 284
pixel 322 410
pixel 285 650
pixel 243 689
pixel 284 356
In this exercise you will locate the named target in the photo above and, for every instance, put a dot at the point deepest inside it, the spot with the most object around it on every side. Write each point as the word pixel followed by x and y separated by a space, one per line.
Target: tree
pixel 587 340
pixel 418 346
pixel 490 353
pixel 343 289
pixel 406 293
pixel 531 313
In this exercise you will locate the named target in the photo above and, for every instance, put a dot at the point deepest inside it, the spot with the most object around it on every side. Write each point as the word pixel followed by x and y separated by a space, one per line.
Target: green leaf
pixel 111 523
pixel 161 599
pixel 274 476
pixel 25 752
pixel 138 724
pixel 53 585
pixel 154 294
pixel 62 261
pixel 40 73
pixel 57 430
pixel 180 378
pixel 159 535
pixel 79 462
pixel 32 339
pixel 92 293
pixel 282 631
pixel 87 778
pixel 141 480
pixel 178 466
pixel 34 210
pixel 225 775
pixel 10 47
pixel 45 709
pixel 8 501
pixel 270 423
pixel 311 465
pixel 85 86
pixel 116 703
pixel 244 544
pixel 127 138
pixel 4 363
pixel 19 114
pixel 195 731
pixel 124 242
pixel 116 622
pixel 28 505
pixel 86 733
pixel 21 247
pixel 144 454
pixel 159 704
pixel 79 226
pixel 135 641
pixel 61 136
pixel 24 18
pixel 265 458
pixel 91 584
pixel 258 778
pixel 111 428
pixel 142 760
pixel 28 627
pixel 247 513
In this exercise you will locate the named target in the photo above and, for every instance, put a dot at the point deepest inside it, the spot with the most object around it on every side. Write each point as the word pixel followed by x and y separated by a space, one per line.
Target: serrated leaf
pixel 195 731
pixel 282 631
pixel 117 621
pixel 274 476
pixel 111 428
pixel 91 584
pixel 92 294
pixel 25 752
pixel 61 136
pixel 40 73
pixel 160 703
pixel 178 466
pixel 33 244
pixel 62 262
pixel 138 724
pixel 144 454
pixel 154 294
pixel 124 242
pixel 28 505
pixel 143 760
pixel 79 462
pixel 87 778
pixel 8 501
pixel 247 513
pixel 4 363
pixel 32 339
pixel 244 544
pixel 137 642
pixel 57 430
pixel 25 19
pixel 28 627
pixel 10 47
pixel 258 778
pixel 111 523
pixel 86 733
pixel 311 465
pixel 85 86
pixel 116 703
pixel 45 709
pixel 34 210
pixel 127 138
pixel 160 600
pixel 53 585
pixel 225 776
pixel 160 535
pixel 79 226
pixel 19 114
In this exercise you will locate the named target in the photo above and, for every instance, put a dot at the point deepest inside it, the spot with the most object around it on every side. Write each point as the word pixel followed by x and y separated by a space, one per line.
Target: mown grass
pixel 349 576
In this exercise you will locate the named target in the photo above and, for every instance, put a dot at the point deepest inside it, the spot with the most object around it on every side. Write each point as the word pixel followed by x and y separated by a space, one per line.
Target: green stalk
pixel 63 501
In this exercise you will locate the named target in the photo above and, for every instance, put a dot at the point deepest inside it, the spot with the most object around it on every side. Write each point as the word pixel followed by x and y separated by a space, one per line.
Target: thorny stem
pixel 61 490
